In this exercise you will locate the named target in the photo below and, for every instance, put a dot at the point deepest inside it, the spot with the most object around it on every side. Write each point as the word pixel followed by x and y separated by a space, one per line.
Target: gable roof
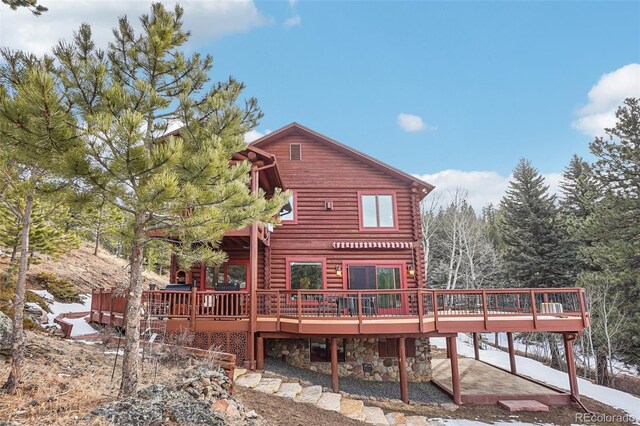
pixel 297 129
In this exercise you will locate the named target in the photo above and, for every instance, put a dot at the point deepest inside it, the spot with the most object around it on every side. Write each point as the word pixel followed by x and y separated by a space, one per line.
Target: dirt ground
pixel 65 380
pixel 85 270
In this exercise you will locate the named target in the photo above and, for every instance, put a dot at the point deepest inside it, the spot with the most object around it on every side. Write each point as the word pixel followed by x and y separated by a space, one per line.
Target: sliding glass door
pixel 377 277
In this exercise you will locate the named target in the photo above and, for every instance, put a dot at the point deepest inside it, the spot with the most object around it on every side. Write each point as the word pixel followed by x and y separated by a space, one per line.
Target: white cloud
pixel 294 21
pixel 412 123
pixel 207 20
pixel 605 97
pixel 483 187
pixel 293 3
pixel 253 135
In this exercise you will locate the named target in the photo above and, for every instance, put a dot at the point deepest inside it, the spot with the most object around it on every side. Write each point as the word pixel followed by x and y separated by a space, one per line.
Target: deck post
pixel 448 348
pixel 571 365
pixel 512 354
pixel 334 365
pixel 253 288
pixel 402 366
pixel 455 372
pixel 260 353
pixel 111 308
pixel 476 347
pixel 99 307
pixel 194 296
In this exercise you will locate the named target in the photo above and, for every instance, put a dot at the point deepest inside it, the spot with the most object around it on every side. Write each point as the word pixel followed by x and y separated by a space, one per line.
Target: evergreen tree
pixel 32 5
pixel 125 99
pixel 32 123
pixel 614 228
pixel 530 232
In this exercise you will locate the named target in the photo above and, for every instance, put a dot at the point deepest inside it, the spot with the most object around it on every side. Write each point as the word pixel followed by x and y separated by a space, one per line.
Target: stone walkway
pixel 352 408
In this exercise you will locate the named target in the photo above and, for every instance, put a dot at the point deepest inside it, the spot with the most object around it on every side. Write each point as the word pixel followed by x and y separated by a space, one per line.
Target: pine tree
pixel 32 5
pixel 32 123
pixel 613 258
pixel 126 98
pixel 530 232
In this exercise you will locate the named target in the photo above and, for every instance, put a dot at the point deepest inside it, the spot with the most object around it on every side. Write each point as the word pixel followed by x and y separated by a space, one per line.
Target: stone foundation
pixel 362 359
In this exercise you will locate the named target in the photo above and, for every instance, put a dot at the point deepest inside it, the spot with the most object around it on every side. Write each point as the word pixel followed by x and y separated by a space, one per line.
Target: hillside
pixel 84 270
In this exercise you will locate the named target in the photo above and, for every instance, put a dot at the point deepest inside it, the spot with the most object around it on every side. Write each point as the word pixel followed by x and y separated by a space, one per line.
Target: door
pixel 377 277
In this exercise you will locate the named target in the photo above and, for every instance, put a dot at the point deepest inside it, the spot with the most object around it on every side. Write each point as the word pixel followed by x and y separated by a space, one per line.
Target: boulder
pixel 6 329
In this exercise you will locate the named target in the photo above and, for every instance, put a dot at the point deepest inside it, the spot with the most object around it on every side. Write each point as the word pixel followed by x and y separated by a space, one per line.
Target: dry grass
pixel 63 381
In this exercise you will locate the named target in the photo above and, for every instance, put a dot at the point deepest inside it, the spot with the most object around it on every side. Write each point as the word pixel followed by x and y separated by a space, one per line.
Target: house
pixel 339 286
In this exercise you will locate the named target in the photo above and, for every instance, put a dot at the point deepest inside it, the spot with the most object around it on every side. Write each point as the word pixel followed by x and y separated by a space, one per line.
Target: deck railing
pixel 422 305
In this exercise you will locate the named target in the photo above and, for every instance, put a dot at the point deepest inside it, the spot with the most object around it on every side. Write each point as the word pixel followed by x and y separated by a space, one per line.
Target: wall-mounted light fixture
pixel 411 269
pixel 339 271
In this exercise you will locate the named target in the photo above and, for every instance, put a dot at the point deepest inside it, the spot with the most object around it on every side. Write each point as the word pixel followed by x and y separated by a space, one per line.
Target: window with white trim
pixel 377 211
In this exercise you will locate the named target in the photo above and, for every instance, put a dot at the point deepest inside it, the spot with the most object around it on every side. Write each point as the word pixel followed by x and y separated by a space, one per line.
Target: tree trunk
pixel 18 336
pixel 555 352
pixel 14 252
pixel 604 378
pixel 130 363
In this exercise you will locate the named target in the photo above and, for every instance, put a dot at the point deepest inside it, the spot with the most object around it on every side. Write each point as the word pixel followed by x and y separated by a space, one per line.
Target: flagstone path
pixel 352 408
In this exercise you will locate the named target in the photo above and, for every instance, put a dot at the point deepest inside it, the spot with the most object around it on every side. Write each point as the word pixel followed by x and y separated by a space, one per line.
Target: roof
pixel 294 128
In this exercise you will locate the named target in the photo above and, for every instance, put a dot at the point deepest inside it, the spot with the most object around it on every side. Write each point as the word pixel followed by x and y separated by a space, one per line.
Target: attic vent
pixel 295 151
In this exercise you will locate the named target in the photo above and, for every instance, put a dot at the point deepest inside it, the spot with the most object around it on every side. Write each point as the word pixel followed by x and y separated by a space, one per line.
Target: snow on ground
pixel 80 326
pixel 539 371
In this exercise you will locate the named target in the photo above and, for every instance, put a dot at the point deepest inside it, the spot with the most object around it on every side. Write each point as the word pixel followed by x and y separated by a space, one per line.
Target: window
pixel 377 211
pixel 320 350
pixel 388 348
pixel 288 213
pixel 306 275
pixel 295 152
pixel 228 274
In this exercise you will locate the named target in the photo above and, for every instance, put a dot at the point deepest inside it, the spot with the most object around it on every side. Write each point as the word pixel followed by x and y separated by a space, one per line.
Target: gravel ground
pixel 418 392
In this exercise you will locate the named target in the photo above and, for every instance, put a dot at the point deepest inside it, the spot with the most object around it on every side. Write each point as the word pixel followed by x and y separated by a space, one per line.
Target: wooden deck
pixel 482 383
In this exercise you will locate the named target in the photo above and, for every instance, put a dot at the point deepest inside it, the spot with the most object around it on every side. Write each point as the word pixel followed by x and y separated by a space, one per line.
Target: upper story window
pixel 295 152
pixel 288 213
pixel 377 210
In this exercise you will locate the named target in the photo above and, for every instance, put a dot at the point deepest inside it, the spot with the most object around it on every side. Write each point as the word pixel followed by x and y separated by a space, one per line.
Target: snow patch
pixel 80 326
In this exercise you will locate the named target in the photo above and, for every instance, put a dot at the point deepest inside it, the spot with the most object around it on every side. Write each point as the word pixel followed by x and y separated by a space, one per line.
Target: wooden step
pixel 522 405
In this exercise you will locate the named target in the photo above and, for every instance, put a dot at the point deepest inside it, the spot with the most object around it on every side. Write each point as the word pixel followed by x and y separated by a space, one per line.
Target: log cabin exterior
pixel 339 286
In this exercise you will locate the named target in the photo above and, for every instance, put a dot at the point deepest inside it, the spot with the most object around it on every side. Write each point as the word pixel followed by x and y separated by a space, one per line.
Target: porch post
pixel 455 372
pixel 253 266
pixel 260 353
pixel 402 366
pixel 476 346
pixel 512 353
pixel 571 365
pixel 334 365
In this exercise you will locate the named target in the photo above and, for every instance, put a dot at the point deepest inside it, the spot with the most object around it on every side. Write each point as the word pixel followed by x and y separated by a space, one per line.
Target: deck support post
pixel 402 366
pixel 512 353
pixel 334 365
pixel 476 347
pixel 571 365
pixel 253 279
pixel 448 348
pixel 455 372
pixel 260 353
pixel 99 307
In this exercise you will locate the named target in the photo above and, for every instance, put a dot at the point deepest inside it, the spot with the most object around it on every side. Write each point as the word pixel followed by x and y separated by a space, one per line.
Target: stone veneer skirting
pixel 362 359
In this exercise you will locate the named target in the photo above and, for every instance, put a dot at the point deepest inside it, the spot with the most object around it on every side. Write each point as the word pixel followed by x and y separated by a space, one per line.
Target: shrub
pixel 62 289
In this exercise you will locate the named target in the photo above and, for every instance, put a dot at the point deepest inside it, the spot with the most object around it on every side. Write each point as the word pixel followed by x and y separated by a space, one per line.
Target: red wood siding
pixel 324 174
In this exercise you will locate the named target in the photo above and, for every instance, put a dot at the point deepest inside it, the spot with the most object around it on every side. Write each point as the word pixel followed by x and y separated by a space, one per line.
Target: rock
pixel 330 401
pixel 449 406
pixel 232 410
pixel 374 415
pixel 6 328
pixel 252 415
pixel 416 421
pixel 268 385
pixel 349 407
pixel 220 406
pixel 310 394
pixel 238 372
pixel 396 418
pixel 289 390
pixel 249 380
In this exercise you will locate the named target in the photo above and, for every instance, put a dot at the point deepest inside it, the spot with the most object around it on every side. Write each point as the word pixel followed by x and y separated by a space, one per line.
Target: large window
pixel 306 274
pixel 377 211
pixel 234 274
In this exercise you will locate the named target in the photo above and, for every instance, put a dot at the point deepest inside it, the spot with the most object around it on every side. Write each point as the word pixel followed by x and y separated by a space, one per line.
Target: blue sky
pixel 480 84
